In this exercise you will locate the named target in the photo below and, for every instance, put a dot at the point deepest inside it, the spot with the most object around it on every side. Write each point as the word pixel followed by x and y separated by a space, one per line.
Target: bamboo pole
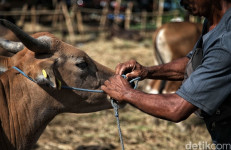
pixel 56 15
pixel 59 12
pixel 73 10
pixel 22 18
pixel 33 18
pixel 144 21
pixel 116 13
pixel 28 13
pixel 154 10
pixel 79 21
pixel 160 13
pixel 68 22
pixel 128 13
pixel 103 18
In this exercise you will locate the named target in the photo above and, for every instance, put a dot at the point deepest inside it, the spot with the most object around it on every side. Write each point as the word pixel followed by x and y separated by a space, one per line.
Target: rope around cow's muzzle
pixel 113 102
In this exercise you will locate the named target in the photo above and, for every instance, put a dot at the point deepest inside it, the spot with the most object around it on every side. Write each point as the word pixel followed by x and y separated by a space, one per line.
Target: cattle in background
pixel 26 107
pixel 171 41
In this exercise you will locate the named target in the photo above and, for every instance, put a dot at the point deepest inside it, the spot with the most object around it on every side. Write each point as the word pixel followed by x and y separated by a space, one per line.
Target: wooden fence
pixel 74 20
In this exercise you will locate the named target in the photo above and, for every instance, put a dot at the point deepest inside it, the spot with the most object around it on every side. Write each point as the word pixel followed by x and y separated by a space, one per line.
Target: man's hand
pixel 117 87
pixel 132 69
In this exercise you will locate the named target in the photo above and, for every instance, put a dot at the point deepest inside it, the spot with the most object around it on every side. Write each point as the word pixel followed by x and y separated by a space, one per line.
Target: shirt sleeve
pixel 189 55
pixel 210 84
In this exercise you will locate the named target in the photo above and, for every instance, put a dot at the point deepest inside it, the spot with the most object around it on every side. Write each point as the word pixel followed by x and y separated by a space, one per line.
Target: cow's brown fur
pixel 180 37
pixel 27 107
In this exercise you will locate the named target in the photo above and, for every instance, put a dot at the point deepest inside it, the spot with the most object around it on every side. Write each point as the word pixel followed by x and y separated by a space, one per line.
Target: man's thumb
pixel 131 75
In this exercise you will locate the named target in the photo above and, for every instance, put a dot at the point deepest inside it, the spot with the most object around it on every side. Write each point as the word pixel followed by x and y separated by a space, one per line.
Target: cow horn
pixel 35 45
pixel 11 46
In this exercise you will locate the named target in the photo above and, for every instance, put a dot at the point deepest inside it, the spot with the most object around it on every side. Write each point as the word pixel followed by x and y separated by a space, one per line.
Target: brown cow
pixel 171 41
pixel 27 107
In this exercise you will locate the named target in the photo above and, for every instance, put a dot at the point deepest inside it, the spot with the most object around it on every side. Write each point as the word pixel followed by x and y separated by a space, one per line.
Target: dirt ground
pixel 98 131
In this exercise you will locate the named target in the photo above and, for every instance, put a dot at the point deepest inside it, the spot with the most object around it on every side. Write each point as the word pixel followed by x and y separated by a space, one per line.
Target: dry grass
pixel 98 131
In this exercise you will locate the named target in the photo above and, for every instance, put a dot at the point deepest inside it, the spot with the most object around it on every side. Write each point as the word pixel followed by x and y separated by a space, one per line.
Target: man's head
pixel 201 7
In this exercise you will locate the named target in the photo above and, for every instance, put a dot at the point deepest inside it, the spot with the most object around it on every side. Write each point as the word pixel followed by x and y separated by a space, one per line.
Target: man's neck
pixel 218 12
pixel 225 6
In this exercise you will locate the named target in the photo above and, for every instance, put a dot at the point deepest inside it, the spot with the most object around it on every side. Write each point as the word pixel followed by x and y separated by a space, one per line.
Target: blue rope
pixel 100 91
pixel 116 110
pixel 80 89
pixel 113 102
pixel 20 71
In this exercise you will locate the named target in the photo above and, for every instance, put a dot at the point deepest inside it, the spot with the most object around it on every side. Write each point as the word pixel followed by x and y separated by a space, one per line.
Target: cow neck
pixel 26 114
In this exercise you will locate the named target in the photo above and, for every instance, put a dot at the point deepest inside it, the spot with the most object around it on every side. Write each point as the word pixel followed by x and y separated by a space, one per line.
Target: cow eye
pixel 82 65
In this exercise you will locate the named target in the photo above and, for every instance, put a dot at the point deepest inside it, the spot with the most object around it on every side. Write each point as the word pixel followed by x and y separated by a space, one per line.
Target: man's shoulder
pixel 227 20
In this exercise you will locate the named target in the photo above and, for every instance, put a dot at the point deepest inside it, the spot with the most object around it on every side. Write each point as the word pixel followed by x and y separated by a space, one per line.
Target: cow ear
pixel 47 77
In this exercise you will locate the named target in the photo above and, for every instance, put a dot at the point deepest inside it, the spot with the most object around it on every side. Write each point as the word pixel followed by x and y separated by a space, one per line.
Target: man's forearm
pixel 166 106
pixel 171 71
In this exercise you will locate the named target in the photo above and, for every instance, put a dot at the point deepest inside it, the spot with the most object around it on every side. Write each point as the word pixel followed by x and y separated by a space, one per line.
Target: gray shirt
pixel 210 84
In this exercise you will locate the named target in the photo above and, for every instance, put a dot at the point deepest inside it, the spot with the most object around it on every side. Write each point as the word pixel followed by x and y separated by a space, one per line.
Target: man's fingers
pixel 104 88
pixel 122 68
pixel 129 75
pixel 107 82
pixel 107 90
pixel 118 67
pixel 125 68
pixel 132 75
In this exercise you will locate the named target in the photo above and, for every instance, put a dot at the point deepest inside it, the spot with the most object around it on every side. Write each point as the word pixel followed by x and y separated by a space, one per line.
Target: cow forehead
pixel 70 51
pixel 57 44
pixel 39 34
pixel 60 47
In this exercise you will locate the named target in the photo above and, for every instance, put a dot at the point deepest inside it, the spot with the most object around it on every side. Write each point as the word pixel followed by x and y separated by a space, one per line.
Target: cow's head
pixel 51 62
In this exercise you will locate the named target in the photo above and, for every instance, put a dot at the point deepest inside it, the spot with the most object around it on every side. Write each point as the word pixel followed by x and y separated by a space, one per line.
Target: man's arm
pixel 166 106
pixel 170 71
pixel 174 70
